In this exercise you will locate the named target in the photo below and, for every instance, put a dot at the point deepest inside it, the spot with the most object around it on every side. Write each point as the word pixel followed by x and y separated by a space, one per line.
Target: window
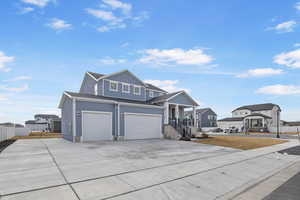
pixel 96 89
pixel 151 93
pixel 137 90
pixel 125 88
pixel 113 86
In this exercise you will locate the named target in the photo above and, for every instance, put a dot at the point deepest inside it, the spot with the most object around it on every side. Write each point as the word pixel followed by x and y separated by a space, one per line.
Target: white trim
pixel 74 119
pixel 102 87
pixel 183 92
pixel 117 86
pixel 157 91
pixel 119 124
pixel 91 76
pixel 153 115
pixel 96 88
pixel 140 89
pixel 95 112
pixel 95 100
pixel 180 104
pixel 125 84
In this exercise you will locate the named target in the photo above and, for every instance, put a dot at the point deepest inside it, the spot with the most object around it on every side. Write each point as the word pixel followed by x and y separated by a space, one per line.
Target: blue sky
pixel 224 53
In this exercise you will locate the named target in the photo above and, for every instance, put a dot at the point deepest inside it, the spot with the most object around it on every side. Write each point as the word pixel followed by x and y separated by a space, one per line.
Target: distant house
pixel 44 123
pixel 9 124
pixel 257 117
pixel 205 117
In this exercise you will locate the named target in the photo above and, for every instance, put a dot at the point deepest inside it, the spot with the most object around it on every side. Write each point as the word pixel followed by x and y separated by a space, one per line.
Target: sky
pixel 225 54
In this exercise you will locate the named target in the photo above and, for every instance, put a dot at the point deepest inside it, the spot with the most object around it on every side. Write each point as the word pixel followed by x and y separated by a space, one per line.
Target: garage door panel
pixel 142 126
pixel 96 126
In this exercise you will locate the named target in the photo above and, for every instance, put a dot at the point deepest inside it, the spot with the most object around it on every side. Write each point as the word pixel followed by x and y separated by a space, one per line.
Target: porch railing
pixel 182 127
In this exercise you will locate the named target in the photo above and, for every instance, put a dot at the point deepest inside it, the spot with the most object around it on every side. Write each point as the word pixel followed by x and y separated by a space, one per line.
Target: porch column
pixel 166 113
pixel 194 116
pixel 177 112
pixel 263 122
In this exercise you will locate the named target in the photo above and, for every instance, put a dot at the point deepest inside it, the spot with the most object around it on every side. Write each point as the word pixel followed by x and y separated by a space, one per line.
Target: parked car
pixel 231 130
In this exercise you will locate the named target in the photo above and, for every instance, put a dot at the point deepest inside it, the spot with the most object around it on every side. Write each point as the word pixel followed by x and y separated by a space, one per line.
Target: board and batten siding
pixel 88 85
pixel 66 119
pixel 124 77
pixel 182 99
pixel 141 110
pixel 94 106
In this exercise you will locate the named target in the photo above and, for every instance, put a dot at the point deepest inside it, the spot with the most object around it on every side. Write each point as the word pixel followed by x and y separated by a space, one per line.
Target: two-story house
pixel 205 117
pixel 119 106
pixel 258 117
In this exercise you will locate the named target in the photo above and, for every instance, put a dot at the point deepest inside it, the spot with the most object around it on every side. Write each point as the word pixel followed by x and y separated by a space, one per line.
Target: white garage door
pixel 96 126
pixel 142 126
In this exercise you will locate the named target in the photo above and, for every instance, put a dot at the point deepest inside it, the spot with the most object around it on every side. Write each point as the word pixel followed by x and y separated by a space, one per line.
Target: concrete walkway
pixel 145 169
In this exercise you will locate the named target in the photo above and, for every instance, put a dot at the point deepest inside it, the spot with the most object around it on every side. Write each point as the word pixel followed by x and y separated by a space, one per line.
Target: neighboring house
pixel 44 123
pixel 9 124
pixel 258 117
pixel 119 106
pixel 205 117
pixel 34 126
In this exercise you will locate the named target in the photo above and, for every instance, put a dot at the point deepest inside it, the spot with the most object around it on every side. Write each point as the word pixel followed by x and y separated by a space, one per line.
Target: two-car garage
pixel 98 126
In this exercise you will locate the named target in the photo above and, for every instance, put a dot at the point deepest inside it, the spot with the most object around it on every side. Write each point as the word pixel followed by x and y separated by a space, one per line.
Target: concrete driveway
pixel 144 169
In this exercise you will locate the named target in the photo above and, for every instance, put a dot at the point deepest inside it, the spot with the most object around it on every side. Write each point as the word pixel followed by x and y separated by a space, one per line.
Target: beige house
pixel 258 117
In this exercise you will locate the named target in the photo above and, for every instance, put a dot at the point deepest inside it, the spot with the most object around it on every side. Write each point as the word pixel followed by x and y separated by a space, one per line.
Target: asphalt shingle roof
pixel 164 97
pixel 75 94
pixel 258 107
pixel 153 87
pixel 96 75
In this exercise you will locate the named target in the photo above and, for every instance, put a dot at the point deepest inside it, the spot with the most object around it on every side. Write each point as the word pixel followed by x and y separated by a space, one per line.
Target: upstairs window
pixel 136 90
pixel 151 93
pixel 113 86
pixel 125 88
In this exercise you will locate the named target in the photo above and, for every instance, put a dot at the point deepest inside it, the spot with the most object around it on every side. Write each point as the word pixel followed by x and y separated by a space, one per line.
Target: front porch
pixel 256 123
pixel 174 115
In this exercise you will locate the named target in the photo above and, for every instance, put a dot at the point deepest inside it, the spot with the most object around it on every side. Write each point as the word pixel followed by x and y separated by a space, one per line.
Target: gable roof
pixel 164 97
pixel 258 114
pixel 258 107
pixel 153 87
pixel 95 75
pixel 170 96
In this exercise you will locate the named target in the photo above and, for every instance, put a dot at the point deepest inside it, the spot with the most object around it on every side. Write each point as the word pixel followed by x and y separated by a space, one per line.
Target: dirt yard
pixel 244 143
pixel 39 135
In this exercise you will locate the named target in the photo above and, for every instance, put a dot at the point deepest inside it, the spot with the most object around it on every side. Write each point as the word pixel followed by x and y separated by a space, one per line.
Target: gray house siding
pixel 120 94
pixel 132 109
pixel 205 121
pixel 155 94
pixel 182 99
pixel 93 106
pixel 66 122
pixel 88 85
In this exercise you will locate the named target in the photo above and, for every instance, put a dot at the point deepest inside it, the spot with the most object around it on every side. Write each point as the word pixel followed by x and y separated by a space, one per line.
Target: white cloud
pixel 39 3
pixel 285 27
pixel 26 10
pixel 115 4
pixel 176 56
pixel 59 24
pixel 125 44
pixel 3 97
pixel 4 60
pixel 279 90
pixel 260 72
pixel 14 89
pixel 289 59
pixel 18 78
pixel 168 85
pixel 297 5
pixel 116 14
pixel 297 45
pixel 111 61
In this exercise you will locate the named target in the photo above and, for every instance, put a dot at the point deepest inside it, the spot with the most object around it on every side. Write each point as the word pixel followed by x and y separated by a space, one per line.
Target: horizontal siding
pixel 182 99
pixel 66 119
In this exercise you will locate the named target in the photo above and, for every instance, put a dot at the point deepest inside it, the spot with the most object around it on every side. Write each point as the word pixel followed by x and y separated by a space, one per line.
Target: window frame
pixel 124 91
pixel 112 89
pixel 140 90
pixel 151 93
